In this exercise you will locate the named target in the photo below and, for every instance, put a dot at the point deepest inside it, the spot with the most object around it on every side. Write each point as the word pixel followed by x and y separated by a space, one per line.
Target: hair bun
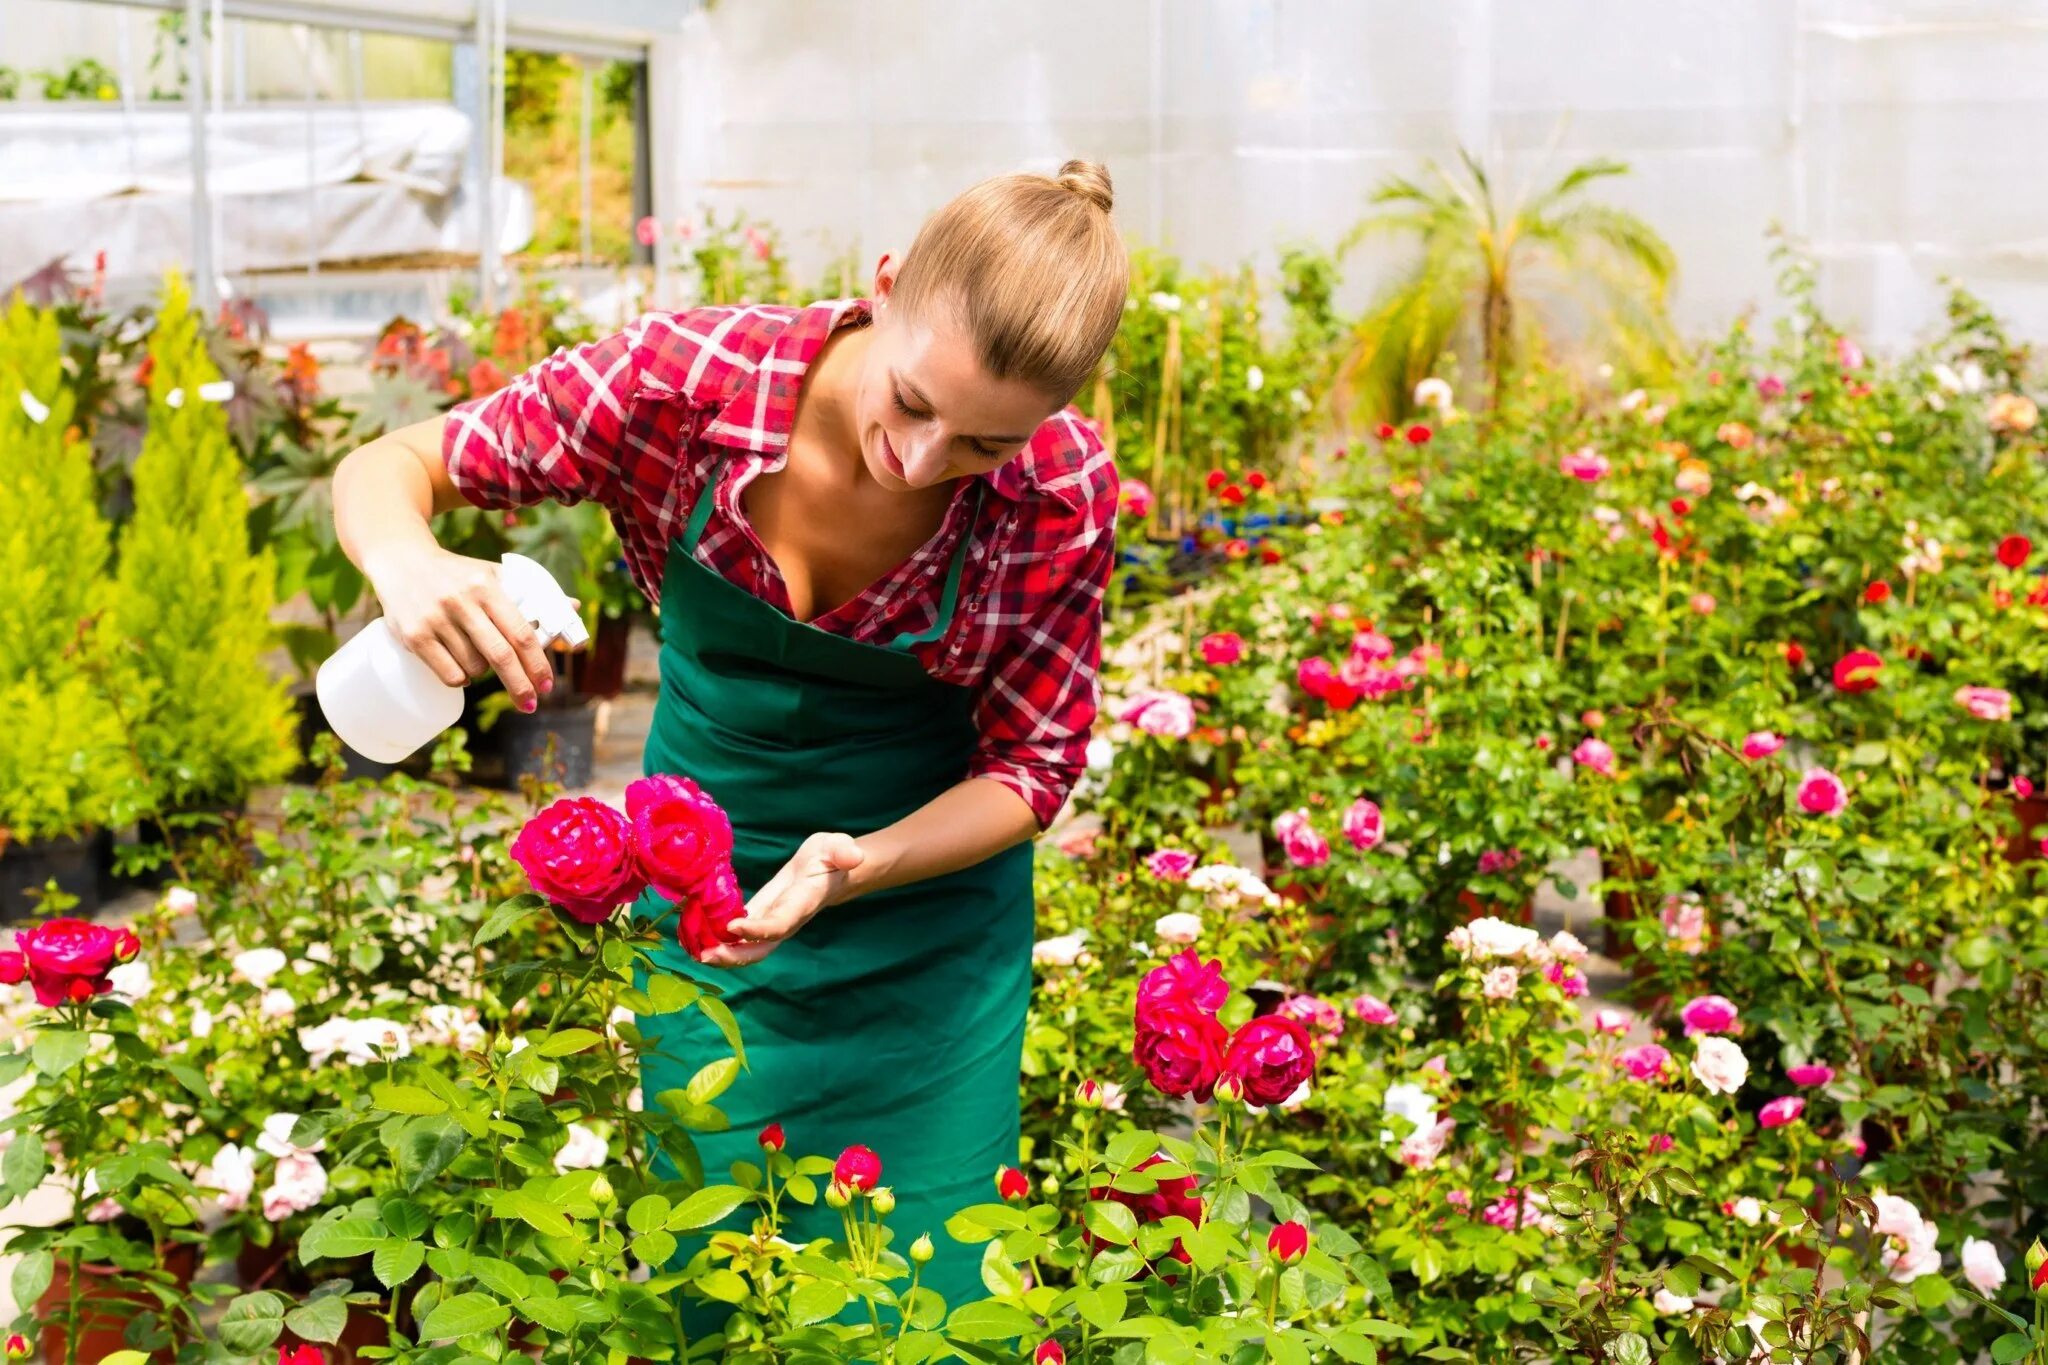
pixel 1088 180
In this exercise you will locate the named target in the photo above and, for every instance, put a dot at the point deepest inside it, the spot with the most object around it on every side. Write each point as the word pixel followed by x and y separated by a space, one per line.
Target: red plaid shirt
pixel 638 421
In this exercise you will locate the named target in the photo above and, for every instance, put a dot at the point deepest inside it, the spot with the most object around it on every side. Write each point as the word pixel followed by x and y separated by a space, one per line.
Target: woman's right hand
pixel 454 613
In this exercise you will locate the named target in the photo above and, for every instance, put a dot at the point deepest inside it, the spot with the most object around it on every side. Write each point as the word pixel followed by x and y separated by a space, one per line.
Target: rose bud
pixel 858 1167
pixel 771 1138
pixel 1012 1184
pixel 14 970
pixel 884 1200
pixel 921 1250
pixel 1229 1090
pixel 1088 1094
pixel 601 1190
pixel 18 1347
pixel 837 1196
pixel 126 946
pixel 78 991
pixel 1049 1352
pixel 1288 1243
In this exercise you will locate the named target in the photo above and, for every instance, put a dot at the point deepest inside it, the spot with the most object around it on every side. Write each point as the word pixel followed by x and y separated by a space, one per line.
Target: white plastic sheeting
pixel 351 182
pixel 1898 139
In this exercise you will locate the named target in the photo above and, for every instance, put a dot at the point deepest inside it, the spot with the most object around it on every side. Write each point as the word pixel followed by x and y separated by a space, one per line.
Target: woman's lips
pixel 889 460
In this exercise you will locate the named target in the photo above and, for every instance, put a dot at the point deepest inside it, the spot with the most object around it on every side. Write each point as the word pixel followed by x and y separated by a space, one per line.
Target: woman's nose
pixel 924 463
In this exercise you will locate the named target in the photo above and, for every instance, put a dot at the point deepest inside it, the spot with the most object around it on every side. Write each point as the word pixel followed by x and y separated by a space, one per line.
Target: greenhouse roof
pixel 611 28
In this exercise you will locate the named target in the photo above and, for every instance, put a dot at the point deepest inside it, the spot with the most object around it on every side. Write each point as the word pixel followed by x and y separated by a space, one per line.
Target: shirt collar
pixel 759 414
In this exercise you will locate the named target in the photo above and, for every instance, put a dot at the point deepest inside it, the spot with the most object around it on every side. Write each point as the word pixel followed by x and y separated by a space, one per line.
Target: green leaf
pixel 1292 1161
pixel 188 1076
pixel 723 1285
pixel 396 1262
pixel 465 1315
pixel 569 1041
pixel 647 1213
pixel 705 1207
pixel 1102 1306
pixel 1931 1291
pixel 541 1217
pixel 654 1247
pixel 988 1320
pixel 1630 1349
pixel 406 1099
pixel 558 1315
pixel 816 1301
pixel 505 917
pixel 2008 1348
pixel 998 1275
pixel 1682 1280
pixel 57 1051
pixel 125 1358
pixel 711 1082
pixel 341 1238
pixel 404 1219
pixel 34 1271
pixel 1287 1349
pixel 22 1169
pixel 1113 1223
pixel 320 1320
pixel 667 994
pixel 720 1013
pixel 252 1322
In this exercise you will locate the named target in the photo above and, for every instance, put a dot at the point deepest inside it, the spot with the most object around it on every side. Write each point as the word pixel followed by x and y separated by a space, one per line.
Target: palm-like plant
pixel 1507 278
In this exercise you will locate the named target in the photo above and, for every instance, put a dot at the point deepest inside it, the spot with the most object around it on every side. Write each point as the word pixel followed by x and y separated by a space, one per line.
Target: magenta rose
pixel 1811 1074
pixel 1170 864
pixel 1645 1063
pixel 1781 1111
pixel 1707 1014
pixel 704 917
pixel 1181 1049
pixel 1222 649
pixel 1303 846
pixel 68 959
pixel 1364 826
pixel 579 854
pixel 1315 676
pixel 680 835
pixel 1271 1056
pixel 1184 981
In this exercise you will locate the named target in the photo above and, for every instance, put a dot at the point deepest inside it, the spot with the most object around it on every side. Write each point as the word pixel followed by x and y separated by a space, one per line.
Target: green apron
pixel 895 1020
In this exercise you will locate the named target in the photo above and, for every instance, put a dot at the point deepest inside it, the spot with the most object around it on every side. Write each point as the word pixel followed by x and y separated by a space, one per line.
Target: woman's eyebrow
pixel 917 397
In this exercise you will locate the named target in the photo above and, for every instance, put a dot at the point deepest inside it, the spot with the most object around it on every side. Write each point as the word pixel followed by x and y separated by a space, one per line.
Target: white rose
pixel 276 1138
pixel 1180 927
pixel 181 900
pixel 258 965
pixel 232 1174
pixel 1748 1210
pixel 1061 951
pixel 1667 1302
pixel 1492 937
pixel 202 1021
pixel 1433 393
pixel 276 1005
pixel 1254 379
pixel 1981 1267
pixel 1411 1102
pixel 1719 1065
pixel 131 979
pixel 582 1150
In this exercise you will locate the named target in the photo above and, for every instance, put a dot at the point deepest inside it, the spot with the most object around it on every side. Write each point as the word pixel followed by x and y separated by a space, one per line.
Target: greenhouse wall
pixel 1897 139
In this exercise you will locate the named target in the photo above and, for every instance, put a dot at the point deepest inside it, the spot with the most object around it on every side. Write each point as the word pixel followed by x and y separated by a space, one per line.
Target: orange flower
pixel 1736 434
pixel 484 377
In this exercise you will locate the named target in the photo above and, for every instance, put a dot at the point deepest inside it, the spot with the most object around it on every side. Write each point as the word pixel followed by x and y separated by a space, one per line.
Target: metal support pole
pixel 312 155
pixel 204 292
pixel 491 49
pixel 584 253
pixel 216 54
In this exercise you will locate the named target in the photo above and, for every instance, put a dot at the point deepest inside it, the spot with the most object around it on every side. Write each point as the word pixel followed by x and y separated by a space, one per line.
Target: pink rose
pixel 68 959
pixel 1660 1143
pixel 1610 1021
pixel 1222 649
pixel 1566 978
pixel 1303 846
pixel 1703 604
pixel 1135 497
pixel 705 916
pixel 1271 1056
pixel 1822 793
pixel 1595 754
pixel 1848 353
pixel 1781 1111
pixel 1168 715
pixel 1645 1063
pixel 1810 1075
pixel 579 854
pixel 1370 1009
pixel 1364 826
pixel 1585 464
pixel 1170 864
pixel 1707 1014
pixel 1719 1065
pixel 1371 647
pixel 1769 386
pixel 1419 1150
pixel 1183 981
pixel 1500 983
pixel 1761 744
pixel 680 835
pixel 1315 676
pixel 1314 1013
pixel 1985 703
pixel 298 1182
pixel 1180 1049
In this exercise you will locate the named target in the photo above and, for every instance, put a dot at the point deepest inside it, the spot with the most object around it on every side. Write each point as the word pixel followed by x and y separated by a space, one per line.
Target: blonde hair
pixel 1037 269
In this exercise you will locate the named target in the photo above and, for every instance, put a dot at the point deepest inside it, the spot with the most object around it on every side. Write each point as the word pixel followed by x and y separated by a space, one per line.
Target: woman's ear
pixel 885 279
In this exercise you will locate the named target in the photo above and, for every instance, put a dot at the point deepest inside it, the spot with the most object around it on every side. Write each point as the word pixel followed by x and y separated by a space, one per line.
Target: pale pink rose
pixel 276 1004
pixel 1761 744
pixel 1321 1018
pixel 1420 1149
pixel 1811 1074
pixel 1371 646
pixel 1610 1021
pixel 1595 754
pixel 1500 983
pixel 1585 464
pixel 181 900
pixel 1822 793
pixel 1364 825
pixel 231 1176
pixel 297 1184
pixel 1708 1014
pixel 1703 604
pixel 1170 864
pixel 1685 923
pixel 1061 951
pixel 1770 386
pixel 1168 715
pixel 1459 940
pixel 1982 1268
pixel 1914 1257
pixel 1985 703
pixel 1782 1111
pixel 1370 1009
pixel 258 965
pixel 1458 1199
pixel 276 1138
pixel 582 1150
pixel 1179 928
pixel 1113 1097
pixel 1895 1217
pixel 1648 1062
pixel 1848 353
pixel 1664 1301
pixel 1565 946
pixel 1719 1065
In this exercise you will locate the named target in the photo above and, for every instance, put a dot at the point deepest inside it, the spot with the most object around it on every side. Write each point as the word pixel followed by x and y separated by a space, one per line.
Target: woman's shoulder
pixel 1065 471
pixel 705 354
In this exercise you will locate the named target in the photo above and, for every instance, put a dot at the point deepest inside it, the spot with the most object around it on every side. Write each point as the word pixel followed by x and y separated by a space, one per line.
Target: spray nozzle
pixel 541 600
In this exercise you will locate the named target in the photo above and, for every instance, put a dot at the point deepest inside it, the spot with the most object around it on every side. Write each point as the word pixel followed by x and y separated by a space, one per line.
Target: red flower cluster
pixel 1185 1050
pixel 588 858
pixel 66 961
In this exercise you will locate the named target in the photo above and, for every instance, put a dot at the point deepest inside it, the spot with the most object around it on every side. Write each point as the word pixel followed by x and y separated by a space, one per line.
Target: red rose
pixel 1186 981
pixel 680 835
pixel 1049 1352
pixel 126 945
pixel 1385 431
pixel 858 1168
pixel 2014 551
pixel 1256 480
pixel 771 1138
pixel 1233 495
pixel 1288 1243
pixel 1012 1183
pixel 298 1355
pixel 579 854
pixel 1340 696
pixel 1180 1049
pixel 68 959
pixel 1877 592
pixel 1794 654
pixel 1269 554
pixel 13 969
pixel 1680 507
pixel 1418 435
pixel 1272 1055
pixel 1217 478
pixel 1856 671
pixel 703 916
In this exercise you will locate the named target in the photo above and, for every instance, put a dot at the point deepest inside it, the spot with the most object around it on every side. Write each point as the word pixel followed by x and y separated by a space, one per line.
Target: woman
pixel 879 539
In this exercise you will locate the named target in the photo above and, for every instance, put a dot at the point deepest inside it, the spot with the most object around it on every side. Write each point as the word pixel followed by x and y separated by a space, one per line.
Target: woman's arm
pixel 450 610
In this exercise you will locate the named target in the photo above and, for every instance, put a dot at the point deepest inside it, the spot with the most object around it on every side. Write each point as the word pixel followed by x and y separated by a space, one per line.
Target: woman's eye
pixel 986 452
pixel 905 408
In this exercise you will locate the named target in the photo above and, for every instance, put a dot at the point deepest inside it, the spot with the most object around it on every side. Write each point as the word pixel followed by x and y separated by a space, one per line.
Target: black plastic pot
pixel 555 744
pixel 78 865
pixel 312 725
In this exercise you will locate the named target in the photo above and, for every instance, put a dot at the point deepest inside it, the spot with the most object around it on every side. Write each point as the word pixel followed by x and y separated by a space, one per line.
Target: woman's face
pixel 926 410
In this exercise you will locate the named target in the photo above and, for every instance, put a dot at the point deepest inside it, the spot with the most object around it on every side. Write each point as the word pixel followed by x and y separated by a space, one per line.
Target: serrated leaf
pixel 815 1302
pixel 404 1219
pixel 1113 1223
pixel 720 1014
pixel 505 918
pixel 569 1041
pixel 22 1169
pixel 712 1080
pixel 705 1207
pixel 34 1271
pixel 554 1314
pixel 320 1320
pixel 654 1247
pixel 998 1275
pixel 2010 1347
pixel 396 1262
pixel 667 994
pixel 252 1322
pixel 341 1238
pixel 56 1051
pixel 1102 1306
pixel 988 1320
pixel 464 1315
pixel 647 1213
pixel 406 1099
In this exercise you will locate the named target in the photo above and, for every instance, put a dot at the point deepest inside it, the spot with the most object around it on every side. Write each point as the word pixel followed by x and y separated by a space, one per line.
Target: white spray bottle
pixel 385 702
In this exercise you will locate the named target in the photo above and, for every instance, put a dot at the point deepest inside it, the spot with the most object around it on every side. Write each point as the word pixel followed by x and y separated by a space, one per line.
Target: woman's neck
pixel 826 406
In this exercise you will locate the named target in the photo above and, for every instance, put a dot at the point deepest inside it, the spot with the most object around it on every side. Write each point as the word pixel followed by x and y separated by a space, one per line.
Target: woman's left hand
pixel 815 878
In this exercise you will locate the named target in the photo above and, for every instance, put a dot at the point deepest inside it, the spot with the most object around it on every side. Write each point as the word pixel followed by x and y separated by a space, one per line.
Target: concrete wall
pixel 1900 140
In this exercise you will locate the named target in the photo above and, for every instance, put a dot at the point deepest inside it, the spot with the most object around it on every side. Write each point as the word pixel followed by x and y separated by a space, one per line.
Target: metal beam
pixel 537 29
pixel 204 291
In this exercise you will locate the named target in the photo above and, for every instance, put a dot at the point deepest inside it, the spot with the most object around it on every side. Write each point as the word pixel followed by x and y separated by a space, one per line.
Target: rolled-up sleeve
pixel 1037 703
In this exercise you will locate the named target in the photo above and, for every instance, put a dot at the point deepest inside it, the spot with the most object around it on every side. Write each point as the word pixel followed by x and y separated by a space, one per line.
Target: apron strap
pixel 700 516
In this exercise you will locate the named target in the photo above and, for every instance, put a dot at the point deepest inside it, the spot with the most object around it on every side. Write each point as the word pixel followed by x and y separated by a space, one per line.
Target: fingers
pixel 525 641
pixel 435 655
pixel 738 954
pixel 497 654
